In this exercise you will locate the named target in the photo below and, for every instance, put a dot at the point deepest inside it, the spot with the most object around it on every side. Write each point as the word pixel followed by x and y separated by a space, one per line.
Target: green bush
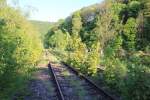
pixel 129 34
pixel 115 73
pixel 134 8
pixel 137 83
pixel 86 62
pixel 20 47
pixel 76 52
pixel 92 60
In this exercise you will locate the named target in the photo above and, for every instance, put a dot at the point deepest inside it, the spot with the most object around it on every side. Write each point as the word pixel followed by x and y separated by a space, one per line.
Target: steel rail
pixel 59 91
pixel 101 91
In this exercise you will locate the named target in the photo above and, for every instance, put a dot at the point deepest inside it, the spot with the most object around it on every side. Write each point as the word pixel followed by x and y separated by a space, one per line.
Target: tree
pixel 146 4
pixel 115 73
pixel 106 23
pixel 145 40
pixel 76 52
pixel 76 23
pixel 93 59
pixel 57 39
pixel 129 34
pixel 20 47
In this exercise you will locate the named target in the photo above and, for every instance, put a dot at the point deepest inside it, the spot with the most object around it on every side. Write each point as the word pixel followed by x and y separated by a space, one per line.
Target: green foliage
pixel 86 62
pixel 114 48
pixel 104 24
pixel 134 8
pixel 76 22
pixel 137 83
pixel 109 34
pixel 130 30
pixel 92 60
pixel 58 39
pixel 20 47
pixel 77 52
pixel 108 24
pixel 114 73
pixel 146 4
pixel 125 79
pixel 145 39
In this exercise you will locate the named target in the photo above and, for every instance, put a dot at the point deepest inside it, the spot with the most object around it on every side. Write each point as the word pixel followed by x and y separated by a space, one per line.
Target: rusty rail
pixel 59 92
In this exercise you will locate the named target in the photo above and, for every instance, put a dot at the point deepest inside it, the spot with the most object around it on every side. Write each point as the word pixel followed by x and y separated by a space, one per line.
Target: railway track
pixel 71 86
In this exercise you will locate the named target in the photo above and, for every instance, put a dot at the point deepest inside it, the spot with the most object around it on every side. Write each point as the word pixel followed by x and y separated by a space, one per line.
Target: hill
pixel 41 26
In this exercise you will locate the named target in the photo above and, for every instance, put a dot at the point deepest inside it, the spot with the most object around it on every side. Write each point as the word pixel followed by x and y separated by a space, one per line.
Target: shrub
pixel 77 52
pixel 19 45
pixel 114 73
pixel 137 83
pixel 92 60
pixel 129 34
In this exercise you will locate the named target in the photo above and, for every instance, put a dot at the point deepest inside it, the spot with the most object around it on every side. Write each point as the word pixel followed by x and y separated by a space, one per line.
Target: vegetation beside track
pixel 113 36
pixel 20 49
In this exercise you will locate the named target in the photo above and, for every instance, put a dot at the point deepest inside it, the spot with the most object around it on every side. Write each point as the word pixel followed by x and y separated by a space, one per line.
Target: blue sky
pixel 51 10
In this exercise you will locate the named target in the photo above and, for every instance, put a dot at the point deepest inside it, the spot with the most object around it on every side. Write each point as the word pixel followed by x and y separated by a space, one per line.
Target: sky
pixel 51 10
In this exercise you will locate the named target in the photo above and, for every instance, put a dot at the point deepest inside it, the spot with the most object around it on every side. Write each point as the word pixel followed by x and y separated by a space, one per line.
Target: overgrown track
pixel 71 86
pixel 59 92
pixel 91 83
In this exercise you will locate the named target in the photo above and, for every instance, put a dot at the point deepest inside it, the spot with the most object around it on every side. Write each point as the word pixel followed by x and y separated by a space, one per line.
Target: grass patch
pixel 17 86
pixel 65 73
pixel 78 89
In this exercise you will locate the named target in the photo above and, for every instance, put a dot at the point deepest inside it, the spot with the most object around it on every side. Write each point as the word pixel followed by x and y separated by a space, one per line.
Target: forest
pixel 108 42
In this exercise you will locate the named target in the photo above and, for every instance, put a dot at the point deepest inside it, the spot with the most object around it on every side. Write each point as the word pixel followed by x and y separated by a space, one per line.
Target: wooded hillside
pixel 113 35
